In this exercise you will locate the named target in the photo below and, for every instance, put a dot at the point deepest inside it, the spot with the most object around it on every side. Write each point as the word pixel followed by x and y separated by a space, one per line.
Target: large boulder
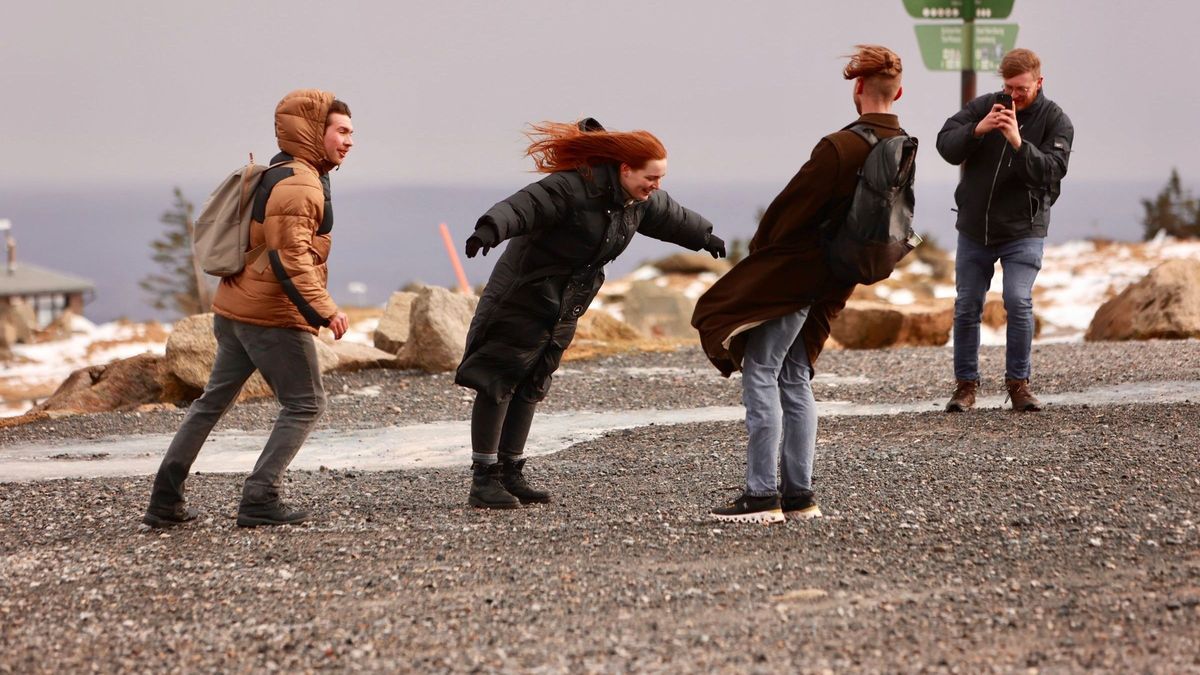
pixel 659 311
pixel 1165 304
pixel 192 349
pixel 438 330
pixel 392 331
pixel 864 324
pixel 125 384
pixel 352 356
pixel 691 263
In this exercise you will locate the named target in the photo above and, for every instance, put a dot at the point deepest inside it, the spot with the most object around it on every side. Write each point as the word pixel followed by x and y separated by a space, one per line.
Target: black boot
pixel 486 490
pixel 168 507
pixel 513 480
pixel 263 507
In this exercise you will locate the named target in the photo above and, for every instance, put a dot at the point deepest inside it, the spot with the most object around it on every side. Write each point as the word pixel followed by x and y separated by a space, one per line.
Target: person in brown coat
pixel 267 314
pixel 770 315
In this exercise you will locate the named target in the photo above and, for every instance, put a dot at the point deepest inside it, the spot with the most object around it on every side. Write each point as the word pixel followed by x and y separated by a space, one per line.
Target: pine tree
pixel 179 285
pixel 1174 211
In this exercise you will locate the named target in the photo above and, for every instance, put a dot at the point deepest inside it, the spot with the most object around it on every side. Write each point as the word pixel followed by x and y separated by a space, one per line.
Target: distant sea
pixel 386 237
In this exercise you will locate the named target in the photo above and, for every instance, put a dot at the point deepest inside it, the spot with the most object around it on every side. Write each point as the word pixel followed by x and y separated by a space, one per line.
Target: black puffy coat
pixel 1006 195
pixel 563 229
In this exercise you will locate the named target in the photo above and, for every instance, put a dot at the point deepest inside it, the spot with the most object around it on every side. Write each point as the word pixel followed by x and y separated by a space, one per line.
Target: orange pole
pixel 463 286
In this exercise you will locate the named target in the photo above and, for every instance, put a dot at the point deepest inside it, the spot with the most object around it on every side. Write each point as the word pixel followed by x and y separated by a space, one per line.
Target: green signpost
pixel 968 47
pixel 959 9
pixel 943 46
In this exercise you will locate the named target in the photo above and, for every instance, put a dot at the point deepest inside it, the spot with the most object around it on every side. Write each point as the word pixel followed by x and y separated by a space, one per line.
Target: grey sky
pixel 124 91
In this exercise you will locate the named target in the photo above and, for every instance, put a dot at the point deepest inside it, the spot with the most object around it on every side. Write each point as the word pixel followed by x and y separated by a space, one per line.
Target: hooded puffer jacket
pixel 283 283
pixel 562 231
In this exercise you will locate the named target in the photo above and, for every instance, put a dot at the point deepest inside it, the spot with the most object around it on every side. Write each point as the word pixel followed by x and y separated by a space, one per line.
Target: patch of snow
pixel 644 273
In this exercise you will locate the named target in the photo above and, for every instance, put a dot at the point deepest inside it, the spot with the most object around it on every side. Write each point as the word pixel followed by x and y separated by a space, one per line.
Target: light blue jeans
pixel 974 265
pixel 781 414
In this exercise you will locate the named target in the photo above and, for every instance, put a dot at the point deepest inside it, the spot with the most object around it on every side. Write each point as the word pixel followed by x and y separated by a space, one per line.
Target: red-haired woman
pixel 602 188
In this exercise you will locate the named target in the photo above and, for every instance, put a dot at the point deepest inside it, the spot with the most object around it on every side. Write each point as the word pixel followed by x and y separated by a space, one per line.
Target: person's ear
pixel 859 85
pixel 626 169
pixel 899 93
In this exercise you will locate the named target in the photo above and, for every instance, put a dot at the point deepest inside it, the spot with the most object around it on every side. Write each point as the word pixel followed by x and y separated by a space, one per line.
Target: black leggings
pixel 499 428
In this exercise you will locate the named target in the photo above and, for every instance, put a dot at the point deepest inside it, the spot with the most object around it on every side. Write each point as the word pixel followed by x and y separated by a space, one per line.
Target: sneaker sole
pixel 765 517
pixel 803 514
pixel 480 504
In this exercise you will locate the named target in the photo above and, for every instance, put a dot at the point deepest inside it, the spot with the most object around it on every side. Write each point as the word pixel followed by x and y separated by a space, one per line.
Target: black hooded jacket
pixel 1006 195
pixel 562 230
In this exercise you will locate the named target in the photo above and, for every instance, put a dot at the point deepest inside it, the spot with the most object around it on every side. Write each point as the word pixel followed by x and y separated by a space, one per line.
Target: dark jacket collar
pixel 1038 104
pixel 883 120
pixel 605 182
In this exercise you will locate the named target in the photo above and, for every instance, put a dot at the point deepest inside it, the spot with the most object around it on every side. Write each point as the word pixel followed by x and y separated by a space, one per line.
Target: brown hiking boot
pixel 964 396
pixel 1022 398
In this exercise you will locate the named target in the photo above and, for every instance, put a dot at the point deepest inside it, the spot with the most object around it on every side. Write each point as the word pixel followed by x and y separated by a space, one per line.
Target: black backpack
pixel 866 238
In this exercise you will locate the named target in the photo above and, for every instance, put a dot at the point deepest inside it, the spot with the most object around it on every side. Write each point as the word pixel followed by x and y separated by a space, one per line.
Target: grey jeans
pixel 781 413
pixel 287 360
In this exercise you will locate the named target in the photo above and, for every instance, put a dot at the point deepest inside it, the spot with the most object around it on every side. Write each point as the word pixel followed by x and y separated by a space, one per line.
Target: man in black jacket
pixel 1013 147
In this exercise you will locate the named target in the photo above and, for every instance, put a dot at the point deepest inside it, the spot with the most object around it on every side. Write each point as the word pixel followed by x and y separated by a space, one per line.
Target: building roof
pixel 29 279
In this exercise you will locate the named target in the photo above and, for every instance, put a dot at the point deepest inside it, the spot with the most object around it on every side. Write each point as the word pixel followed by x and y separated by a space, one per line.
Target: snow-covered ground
pixel 1076 278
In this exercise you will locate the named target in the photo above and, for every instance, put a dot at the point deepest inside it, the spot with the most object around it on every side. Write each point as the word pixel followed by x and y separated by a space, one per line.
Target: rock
pixel 601 326
pixel 600 334
pixel 192 348
pixel 659 312
pixel 691 263
pixel 392 332
pixel 438 330
pixel 865 324
pixel 1165 304
pixel 352 356
pixel 17 323
pixel 125 384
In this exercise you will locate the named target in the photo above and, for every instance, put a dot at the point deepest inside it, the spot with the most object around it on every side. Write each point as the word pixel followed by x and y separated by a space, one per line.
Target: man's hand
pixel 714 245
pixel 990 121
pixel 474 245
pixel 1007 124
pixel 339 323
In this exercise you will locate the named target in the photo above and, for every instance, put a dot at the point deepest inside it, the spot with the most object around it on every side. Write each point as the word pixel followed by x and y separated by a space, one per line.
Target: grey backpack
pixel 222 231
pixel 863 245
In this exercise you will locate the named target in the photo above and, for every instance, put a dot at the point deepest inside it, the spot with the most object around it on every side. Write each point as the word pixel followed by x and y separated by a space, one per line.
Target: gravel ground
pixel 682 379
pixel 1064 541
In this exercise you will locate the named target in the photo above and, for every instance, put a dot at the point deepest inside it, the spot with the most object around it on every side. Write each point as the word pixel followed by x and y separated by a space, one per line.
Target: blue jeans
pixel 780 410
pixel 973 268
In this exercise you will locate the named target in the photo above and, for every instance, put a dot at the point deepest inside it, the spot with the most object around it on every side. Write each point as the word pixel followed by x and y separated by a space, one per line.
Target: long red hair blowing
pixel 563 146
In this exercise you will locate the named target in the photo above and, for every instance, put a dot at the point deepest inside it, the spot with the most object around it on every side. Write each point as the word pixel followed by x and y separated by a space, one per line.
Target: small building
pixel 45 292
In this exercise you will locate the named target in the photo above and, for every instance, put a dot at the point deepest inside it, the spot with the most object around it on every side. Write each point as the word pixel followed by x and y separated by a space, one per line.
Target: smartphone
pixel 1004 99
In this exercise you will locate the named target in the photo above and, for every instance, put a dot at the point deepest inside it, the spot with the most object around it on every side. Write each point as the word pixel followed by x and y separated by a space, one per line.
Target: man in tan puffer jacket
pixel 267 314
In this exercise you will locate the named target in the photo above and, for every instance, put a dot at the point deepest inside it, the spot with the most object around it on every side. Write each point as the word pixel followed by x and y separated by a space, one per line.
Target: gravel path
pixel 1065 541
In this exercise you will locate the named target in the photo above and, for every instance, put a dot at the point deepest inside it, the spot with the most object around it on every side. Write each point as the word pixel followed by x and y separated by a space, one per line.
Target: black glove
pixel 474 244
pixel 715 245
pixel 484 238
